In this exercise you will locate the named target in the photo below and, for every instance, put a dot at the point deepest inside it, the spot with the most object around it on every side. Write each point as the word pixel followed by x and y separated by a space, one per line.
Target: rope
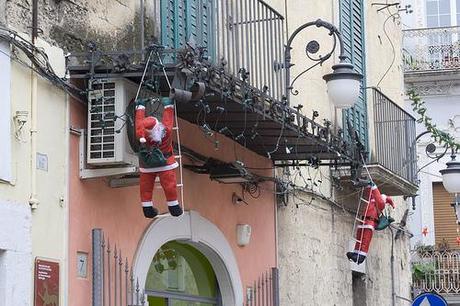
pixel 143 75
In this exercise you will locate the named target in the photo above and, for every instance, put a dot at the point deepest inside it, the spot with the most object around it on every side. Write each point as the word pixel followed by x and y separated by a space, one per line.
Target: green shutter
pixel 352 29
pixel 184 20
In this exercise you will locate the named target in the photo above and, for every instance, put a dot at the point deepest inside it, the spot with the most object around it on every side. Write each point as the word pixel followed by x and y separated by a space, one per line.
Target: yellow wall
pixel 49 230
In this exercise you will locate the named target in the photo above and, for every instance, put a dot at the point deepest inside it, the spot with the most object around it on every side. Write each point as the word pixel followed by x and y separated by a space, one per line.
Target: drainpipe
pixel 142 28
pixel 33 201
pixel 392 264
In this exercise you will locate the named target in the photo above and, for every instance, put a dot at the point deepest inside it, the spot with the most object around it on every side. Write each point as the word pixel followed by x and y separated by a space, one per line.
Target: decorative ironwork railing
pixel 394 132
pixel 436 271
pixel 113 281
pixel 250 37
pixel 431 49
pixel 265 290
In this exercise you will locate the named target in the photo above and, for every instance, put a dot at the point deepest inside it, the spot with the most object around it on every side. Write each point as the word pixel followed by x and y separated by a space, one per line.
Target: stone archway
pixel 199 232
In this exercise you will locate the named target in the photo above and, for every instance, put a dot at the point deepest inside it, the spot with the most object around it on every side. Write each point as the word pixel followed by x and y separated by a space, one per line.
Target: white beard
pixel 157 133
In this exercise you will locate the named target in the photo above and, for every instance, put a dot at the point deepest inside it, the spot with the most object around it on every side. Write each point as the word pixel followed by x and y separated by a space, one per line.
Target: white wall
pixel 441 108
pixel 15 254
pixel 5 113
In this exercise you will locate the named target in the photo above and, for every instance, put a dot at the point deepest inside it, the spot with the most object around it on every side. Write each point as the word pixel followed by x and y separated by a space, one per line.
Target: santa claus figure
pixel 156 158
pixel 371 216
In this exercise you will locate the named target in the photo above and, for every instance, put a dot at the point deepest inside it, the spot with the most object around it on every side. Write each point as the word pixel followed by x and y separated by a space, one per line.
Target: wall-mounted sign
pixel 46 283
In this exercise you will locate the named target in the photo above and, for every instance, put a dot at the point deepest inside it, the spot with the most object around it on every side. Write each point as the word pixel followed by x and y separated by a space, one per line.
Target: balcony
pixel 237 59
pixel 431 50
pixel 392 161
pixel 439 272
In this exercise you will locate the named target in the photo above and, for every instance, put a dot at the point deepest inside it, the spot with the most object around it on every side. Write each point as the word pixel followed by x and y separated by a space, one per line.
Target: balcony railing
pixel 394 134
pixel 435 271
pixel 431 49
pixel 250 37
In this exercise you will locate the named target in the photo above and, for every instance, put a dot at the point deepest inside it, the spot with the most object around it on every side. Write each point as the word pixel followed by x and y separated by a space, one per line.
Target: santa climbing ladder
pixel 156 157
pixel 372 219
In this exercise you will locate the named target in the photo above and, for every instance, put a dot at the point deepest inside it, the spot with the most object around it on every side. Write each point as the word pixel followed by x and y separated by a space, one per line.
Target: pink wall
pixel 118 212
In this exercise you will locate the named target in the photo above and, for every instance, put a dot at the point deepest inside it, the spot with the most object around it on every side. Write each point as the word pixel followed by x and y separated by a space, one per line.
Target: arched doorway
pixel 201 234
pixel 180 275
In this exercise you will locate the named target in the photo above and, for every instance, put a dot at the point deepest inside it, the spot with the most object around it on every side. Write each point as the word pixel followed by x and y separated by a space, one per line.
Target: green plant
pixel 439 136
pixel 422 271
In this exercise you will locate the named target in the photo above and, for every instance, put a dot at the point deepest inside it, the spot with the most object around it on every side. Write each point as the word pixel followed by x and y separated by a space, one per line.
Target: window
pixel 438 13
pixel 352 29
pixel 5 113
pixel 458 12
pixel 180 275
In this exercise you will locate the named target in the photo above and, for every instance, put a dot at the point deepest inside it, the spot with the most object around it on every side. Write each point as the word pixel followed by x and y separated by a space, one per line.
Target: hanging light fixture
pixel 451 182
pixel 451 176
pixel 343 85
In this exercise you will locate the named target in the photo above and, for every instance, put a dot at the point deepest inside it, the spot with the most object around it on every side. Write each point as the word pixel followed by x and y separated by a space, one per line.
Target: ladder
pixel 362 201
pixel 178 158
pixel 358 221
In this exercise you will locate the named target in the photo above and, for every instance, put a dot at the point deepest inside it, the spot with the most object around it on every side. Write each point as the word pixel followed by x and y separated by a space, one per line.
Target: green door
pixel 188 20
pixel 180 275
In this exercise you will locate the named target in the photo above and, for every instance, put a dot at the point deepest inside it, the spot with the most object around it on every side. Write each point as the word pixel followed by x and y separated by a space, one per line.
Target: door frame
pixel 203 235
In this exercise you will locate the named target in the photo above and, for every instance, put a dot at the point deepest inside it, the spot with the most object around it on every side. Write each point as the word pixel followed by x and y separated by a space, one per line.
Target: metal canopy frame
pixel 230 106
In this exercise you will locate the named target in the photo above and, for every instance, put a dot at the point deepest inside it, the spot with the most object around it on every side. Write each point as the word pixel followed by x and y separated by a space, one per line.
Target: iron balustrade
pixel 431 49
pixel 249 38
pixel 265 290
pixel 394 134
pixel 436 271
pixel 113 282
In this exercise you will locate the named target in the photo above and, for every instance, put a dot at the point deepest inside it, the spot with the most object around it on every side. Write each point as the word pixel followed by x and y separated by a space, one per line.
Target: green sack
pixel 384 222
pixel 152 158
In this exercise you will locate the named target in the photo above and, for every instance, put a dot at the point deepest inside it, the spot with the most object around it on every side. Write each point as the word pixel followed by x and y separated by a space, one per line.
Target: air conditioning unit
pixel 107 140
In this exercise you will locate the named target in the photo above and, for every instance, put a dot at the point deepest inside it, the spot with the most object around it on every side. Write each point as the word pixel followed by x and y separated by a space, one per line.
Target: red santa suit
pixel 365 230
pixel 156 157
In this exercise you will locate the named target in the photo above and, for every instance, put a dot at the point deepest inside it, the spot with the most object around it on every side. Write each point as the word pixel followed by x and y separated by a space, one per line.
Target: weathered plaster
pixel 15 254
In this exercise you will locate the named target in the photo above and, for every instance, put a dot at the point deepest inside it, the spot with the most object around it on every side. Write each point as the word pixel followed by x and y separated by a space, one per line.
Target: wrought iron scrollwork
pixel 312 48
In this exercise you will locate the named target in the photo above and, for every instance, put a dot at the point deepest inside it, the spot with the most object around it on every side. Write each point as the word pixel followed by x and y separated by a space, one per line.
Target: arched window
pixel 180 275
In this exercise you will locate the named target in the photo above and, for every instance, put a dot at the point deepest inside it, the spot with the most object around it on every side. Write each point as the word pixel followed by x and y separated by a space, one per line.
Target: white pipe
pixel 33 201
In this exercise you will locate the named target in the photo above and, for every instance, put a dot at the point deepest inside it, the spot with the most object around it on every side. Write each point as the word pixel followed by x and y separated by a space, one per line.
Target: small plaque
pixel 82 264
pixel 46 283
pixel 42 161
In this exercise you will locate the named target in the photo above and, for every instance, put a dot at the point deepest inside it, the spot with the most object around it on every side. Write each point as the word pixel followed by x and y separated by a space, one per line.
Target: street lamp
pixel 451 176
pixel 343 84
pixel 451 182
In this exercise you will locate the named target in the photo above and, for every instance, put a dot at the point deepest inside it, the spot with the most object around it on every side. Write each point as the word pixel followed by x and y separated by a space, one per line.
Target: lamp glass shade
pixel 343 92
pixel 451 181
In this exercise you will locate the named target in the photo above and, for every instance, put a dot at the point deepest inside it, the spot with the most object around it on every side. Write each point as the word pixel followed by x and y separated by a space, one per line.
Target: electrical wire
pixel 39 61
pixel 391 44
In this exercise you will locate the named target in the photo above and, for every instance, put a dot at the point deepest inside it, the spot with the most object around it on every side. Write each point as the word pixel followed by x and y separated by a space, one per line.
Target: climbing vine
pixel 439 136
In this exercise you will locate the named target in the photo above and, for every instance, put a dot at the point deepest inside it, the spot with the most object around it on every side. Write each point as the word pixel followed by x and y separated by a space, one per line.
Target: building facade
pixel 275 218
pixel 315 228
pixel 430 58
pixel 33 180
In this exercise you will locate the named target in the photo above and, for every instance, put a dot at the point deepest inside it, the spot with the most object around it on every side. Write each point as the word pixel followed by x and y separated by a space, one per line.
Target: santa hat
pixel 150 122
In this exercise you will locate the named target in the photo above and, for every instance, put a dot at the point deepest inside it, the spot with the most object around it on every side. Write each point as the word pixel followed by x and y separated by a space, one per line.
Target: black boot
pixel 150 212
pixel 175 210
pixel 355 257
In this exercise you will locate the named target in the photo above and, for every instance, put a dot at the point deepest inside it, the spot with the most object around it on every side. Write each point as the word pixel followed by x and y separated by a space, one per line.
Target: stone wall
pixel 313 240
pixel 111 24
